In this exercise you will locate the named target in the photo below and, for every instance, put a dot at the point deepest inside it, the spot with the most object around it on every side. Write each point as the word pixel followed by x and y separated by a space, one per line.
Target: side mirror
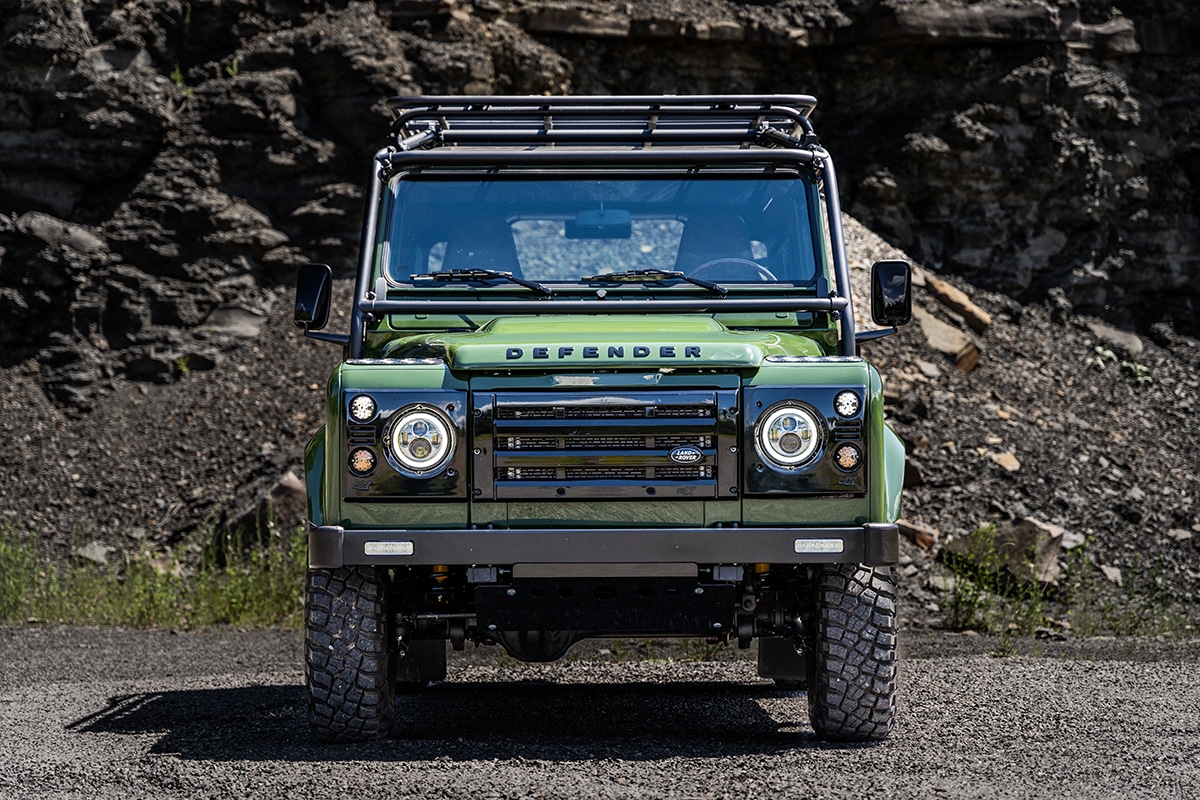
pixel 314 283
pixel 891 293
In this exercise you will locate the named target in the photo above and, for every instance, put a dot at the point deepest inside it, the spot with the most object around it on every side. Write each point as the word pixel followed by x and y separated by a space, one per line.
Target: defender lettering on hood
pixel 596 351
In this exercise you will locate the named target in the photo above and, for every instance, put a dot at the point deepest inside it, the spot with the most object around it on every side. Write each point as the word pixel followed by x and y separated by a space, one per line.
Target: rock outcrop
pixel 167 164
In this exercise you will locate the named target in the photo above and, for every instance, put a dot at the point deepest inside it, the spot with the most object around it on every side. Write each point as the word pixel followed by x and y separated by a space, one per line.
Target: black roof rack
pixel 646 120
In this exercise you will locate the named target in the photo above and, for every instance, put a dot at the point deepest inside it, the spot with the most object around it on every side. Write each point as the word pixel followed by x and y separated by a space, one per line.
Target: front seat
pixel 712 236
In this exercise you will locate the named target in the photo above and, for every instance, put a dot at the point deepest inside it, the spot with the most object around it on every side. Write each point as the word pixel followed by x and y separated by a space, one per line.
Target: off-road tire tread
pixel 852 680
pixel 348 670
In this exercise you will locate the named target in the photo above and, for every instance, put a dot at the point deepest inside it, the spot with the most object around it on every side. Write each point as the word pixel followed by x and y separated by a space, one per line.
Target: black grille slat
pixel 604 473
pixel 527 443
pixel 525 412
pixel 605 443
pixel 670 412
pixel 682 440
pixel 601 442
pixel 604 412
pixel 701 473
pixel 530 474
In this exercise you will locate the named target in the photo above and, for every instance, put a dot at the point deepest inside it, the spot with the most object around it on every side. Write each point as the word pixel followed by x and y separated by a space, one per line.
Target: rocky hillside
pixel 165 165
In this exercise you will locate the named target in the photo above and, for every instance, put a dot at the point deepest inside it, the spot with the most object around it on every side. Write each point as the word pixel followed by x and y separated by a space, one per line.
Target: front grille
pixel 560 444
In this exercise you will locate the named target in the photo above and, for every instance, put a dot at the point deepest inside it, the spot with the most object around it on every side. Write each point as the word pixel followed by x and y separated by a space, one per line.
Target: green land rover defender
pixel 602 379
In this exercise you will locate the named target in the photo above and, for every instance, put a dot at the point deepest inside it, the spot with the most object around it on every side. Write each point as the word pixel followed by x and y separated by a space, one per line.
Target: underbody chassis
pixel 568 585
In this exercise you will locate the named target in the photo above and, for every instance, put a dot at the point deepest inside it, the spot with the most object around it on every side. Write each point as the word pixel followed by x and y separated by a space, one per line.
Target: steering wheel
pixel 732 269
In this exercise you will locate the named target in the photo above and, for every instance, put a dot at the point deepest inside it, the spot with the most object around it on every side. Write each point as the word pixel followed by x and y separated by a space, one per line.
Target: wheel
pixel 732 269
pixel 852 657
pixel 349 673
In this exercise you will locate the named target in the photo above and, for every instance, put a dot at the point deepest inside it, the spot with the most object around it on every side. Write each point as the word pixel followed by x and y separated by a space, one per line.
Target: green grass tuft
pixel 981 597
pixel 262 587
pixel 985 596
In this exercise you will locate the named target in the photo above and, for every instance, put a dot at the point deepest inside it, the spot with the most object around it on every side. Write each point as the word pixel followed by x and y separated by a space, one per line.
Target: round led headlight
pixel 362 408
pixel 420 440
pixel 847 457
pixel 847 403
pixel 362 461
pixel 788 435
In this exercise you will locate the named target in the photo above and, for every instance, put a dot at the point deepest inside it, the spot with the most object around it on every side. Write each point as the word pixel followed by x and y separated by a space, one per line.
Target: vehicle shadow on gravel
pixel 476 721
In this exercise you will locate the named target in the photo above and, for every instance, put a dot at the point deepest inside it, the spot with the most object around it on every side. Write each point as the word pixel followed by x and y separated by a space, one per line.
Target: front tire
pixel 349 673
pixel 852 660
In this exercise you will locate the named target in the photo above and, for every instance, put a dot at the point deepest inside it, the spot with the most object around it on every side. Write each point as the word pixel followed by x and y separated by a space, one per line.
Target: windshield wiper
pixel 653 276
pixel 482 275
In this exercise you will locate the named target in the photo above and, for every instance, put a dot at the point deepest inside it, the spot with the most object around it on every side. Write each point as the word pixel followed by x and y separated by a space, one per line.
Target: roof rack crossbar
pixel 805 102
pixel 444 115
pixel 599 157
pixel 559 135
pixel 631 114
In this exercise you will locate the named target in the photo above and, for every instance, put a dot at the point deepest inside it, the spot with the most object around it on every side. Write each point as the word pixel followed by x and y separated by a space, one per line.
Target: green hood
pixel 607 342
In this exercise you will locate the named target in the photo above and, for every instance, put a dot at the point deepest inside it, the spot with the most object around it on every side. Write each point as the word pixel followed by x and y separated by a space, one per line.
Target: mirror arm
pixel 867 336
pixel 336 338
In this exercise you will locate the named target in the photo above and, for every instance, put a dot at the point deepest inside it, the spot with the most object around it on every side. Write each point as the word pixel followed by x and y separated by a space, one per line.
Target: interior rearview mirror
pixel 891 293
pixel 601 223
pixel 314 284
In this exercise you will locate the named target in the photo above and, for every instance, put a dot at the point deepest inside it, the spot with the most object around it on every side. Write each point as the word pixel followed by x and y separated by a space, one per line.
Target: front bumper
pixel 874 544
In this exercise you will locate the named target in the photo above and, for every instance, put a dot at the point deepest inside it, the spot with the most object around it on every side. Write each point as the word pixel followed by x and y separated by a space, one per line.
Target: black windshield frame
pixel 371 297
pixel 432 221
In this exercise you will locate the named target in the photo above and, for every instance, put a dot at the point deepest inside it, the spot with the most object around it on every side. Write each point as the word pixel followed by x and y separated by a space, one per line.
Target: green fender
pixel 888 450
pixel 893 474
pixel 314 477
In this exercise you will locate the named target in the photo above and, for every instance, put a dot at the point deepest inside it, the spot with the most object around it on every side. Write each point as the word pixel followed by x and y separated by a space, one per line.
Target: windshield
pixel 743 229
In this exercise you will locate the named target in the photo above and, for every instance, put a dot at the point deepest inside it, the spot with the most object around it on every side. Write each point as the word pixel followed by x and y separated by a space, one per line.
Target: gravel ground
pixel 109 713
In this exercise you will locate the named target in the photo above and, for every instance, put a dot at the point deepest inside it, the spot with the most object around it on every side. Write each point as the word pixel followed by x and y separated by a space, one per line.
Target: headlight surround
pixel 789 435
pixel 420 440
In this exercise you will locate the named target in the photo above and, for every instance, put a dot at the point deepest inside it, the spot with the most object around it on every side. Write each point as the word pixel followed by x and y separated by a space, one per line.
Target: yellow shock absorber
pixel 440 575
